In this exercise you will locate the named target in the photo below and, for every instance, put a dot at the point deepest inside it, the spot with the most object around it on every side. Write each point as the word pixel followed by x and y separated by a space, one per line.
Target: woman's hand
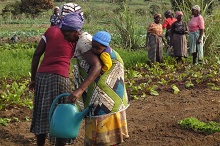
pixel 76 94
pixel 199 41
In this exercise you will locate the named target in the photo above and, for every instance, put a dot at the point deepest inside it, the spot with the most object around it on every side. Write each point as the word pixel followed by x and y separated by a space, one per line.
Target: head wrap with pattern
pixel 69 8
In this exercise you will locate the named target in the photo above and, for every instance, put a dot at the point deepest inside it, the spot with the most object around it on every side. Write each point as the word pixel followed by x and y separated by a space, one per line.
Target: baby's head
pixel 100 41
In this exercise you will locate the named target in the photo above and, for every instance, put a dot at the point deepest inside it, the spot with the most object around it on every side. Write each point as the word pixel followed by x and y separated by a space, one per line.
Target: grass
pixel 15 61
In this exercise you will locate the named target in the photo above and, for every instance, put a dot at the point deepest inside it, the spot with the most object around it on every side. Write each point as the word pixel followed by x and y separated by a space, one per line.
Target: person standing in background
pixel 179 30
pixel 55 18
pixel 196 28
pixel 168 23
pixel 154 40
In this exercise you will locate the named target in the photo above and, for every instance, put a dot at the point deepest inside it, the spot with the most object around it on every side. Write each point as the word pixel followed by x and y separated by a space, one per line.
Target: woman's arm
pixel 147 40
pixel 95 69
pixel 201 32
pixel 35 61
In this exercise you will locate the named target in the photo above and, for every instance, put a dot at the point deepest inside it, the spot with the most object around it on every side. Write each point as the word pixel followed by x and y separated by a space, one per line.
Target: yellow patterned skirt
pixel 106 130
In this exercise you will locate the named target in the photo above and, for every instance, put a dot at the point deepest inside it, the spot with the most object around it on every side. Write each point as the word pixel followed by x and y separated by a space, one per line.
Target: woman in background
pixel 196 28
pixel 168 23
pixel 55 18
pixel 179 30
pixel 154 40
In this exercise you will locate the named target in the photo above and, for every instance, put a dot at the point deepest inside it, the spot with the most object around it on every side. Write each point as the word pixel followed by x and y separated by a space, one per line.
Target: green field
pixel 15 58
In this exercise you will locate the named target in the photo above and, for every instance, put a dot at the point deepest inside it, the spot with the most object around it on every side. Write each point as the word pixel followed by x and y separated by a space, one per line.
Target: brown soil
pixel 152 121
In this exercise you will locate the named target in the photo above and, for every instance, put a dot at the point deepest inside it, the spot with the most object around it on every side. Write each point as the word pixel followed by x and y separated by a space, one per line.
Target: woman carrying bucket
pixel 107 89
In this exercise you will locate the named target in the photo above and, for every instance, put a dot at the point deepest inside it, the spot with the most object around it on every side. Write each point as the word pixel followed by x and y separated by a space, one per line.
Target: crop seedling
pixel 198 126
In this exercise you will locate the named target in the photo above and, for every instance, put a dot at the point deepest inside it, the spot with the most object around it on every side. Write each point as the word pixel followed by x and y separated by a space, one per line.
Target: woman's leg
pixel 60 142
pixel 179 59
pixel 41 139
pixel 194 58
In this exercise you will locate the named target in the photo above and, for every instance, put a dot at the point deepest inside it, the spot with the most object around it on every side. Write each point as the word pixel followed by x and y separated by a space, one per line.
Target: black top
pixel 178 28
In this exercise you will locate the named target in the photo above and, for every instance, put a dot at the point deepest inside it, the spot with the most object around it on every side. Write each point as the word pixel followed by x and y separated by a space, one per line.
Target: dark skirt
pixel 47 88
pixel 180 45
pixel 155 52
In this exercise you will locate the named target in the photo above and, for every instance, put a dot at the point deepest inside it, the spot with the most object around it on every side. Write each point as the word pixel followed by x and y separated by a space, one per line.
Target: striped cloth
pixel 155 52
pixel 68 8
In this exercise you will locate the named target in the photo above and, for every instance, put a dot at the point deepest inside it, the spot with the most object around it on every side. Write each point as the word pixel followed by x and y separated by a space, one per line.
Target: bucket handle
pixel 54 102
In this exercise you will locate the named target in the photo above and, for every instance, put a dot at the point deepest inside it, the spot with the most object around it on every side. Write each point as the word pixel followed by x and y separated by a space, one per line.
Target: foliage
pixel 15 60
pixel 11 8
pixel 15 94
pixel 127 28
pixel 177 3
pixel 167 76
pixel 35 7
pixel 198 126
pixel 4 121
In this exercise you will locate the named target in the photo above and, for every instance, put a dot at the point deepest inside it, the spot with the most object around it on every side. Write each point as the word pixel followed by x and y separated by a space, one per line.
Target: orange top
pixel 155 29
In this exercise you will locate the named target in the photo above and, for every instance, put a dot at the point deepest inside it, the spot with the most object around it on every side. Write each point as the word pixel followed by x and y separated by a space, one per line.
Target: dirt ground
pixel 152 121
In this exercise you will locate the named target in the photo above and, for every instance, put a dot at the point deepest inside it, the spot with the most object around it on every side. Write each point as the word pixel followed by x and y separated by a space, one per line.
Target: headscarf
pixel 56 7
pixel 196 7
pixel 168 13
pixel 72 21
pixel 178 13
pixel 157 15
pixel 68 8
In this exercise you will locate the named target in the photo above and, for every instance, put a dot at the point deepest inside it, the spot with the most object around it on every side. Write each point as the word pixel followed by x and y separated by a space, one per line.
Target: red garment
pixel 58 53
pixel 168 23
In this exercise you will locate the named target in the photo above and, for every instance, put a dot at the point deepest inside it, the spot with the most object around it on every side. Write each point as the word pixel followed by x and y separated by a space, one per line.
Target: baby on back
pixel 100 46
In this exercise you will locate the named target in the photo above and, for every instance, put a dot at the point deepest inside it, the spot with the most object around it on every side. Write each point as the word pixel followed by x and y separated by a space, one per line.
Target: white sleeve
pixel 44 38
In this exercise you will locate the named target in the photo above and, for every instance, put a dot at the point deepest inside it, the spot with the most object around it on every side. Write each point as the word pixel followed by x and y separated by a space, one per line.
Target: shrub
pixel 34 8
pixel 11 8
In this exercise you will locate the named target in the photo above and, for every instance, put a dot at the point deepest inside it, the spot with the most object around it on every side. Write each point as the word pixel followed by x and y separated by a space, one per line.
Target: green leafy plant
pixel 175 89
pixel 4 121
pixel 16 94
pixel 198 126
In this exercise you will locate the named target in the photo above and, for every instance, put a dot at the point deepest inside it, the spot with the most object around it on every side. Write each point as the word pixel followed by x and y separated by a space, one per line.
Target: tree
pixel 35 7
pixel 11 9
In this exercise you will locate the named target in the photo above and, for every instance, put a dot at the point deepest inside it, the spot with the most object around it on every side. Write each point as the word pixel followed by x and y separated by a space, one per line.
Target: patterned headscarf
pixel 196 7
pixel 157 15
pixel 68 8
pixel 178 13
pixel 72 21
